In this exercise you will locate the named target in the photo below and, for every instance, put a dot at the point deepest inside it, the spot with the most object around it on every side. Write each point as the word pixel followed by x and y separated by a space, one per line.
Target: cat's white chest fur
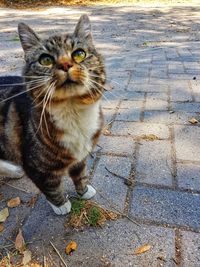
pixel 79 125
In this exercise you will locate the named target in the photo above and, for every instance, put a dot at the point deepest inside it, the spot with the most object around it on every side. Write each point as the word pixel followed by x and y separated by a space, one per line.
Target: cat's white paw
pixel 18 172
pixel 62 210
pixel 8 169
pixel 91 192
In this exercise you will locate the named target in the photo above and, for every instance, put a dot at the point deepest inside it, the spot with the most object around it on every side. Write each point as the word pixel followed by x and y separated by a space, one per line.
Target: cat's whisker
pixel 40 122
pixel 36 77
pixel 42 91
pixel 49 97
pixel 38 96
pixel 94 66
pixel 24 83
pixel 21 93
pixel 107 79
pixel 90 93
pixel 99 91
pixel 50 110
pixel 45 101
pixel 114 94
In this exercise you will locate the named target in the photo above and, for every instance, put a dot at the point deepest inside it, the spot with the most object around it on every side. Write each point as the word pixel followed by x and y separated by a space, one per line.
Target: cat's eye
pixel 46 60
pixel 78 55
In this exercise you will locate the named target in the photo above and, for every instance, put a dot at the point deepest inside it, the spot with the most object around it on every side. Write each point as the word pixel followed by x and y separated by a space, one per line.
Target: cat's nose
pixel 65 66
pixel 64 63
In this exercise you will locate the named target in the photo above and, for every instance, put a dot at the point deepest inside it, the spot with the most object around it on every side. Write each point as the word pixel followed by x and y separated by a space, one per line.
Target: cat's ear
pixel 83 28
pixel 27 37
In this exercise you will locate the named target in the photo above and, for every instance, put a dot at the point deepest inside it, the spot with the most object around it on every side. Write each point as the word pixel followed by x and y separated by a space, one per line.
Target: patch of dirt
pixel 37 4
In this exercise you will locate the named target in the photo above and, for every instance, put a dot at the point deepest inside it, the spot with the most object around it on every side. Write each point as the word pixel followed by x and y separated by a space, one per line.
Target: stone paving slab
pixel 188 176
pixel 129 111
pixel 112 187
pixel 114 145
pixel 186 139
pixel 149 165
pixel 110 246
pixel 137 129
pixel 190 249
pixel 166 207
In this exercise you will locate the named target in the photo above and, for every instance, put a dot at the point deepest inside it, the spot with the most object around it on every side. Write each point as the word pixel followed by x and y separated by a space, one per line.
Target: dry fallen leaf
pixel 19 242
pixel 142 249
pixel 72 246
pixel 14 202
pixel 106 132
pixel 32 201
pixel 1 196
pixel 4 214
pixel 34 264
pixel 149 137
pixel 1 227
pixel 193 121
pixel 26 257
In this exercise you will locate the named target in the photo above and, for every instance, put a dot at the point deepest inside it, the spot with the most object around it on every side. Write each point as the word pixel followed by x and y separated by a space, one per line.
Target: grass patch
pixel 94 216
pixel 89 213
pixel 77 206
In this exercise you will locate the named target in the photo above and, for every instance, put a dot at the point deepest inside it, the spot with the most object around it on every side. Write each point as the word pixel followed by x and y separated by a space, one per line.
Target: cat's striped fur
pixel 50 118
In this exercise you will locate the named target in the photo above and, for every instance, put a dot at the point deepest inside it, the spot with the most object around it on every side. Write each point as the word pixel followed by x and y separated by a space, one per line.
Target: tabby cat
pixel 50 118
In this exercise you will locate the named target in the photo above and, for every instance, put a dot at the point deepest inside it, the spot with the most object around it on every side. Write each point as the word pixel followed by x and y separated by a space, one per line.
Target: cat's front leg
pixel 53 189
pixel 78 174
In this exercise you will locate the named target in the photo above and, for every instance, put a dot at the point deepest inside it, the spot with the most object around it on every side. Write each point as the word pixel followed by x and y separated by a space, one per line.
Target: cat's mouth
pixel 69 81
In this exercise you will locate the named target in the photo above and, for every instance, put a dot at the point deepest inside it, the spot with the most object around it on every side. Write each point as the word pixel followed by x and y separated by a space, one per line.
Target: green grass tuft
pixel 77 205
pixel 94 216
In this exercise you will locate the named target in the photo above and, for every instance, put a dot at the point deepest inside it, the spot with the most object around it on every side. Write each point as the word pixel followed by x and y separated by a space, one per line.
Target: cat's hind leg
pixel 78 174
pixel 10 170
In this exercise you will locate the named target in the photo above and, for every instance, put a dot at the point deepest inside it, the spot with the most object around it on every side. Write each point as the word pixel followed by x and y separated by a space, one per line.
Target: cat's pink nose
pixel 65 66
pixel 64 63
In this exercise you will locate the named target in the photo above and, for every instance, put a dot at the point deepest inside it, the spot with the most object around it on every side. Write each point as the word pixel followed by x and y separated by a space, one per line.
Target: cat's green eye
pixel 46 60
pixel 78 55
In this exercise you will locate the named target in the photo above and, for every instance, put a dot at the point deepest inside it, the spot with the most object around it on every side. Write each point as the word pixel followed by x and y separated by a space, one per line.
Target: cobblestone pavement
pixel 152 57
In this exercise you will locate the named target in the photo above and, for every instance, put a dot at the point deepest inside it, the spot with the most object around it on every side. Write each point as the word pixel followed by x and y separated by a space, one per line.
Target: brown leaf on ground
pixel 4 215
pixel 19 242
pixel 5 262
pixel 193 121
pixel 34 264
pixel 14 202
pixel 1 228
pixel 27 255
pixel 106 131
pixel 32 201
pixel 142 249
pixel 148 137
pixel 1 196
pixel 72 246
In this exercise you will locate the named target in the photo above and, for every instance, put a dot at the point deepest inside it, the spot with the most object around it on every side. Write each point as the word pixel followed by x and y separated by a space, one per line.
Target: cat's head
pixel 66 66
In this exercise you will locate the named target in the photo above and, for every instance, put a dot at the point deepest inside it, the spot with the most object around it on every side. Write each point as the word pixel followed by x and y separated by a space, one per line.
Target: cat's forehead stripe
pixel 59 42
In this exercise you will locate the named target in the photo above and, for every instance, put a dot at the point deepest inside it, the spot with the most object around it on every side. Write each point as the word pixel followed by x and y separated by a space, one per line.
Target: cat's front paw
pixel 62 210
pixel 91 192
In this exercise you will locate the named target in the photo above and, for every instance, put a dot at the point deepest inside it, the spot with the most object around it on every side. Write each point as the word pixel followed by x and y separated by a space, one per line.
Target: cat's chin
pixel 69 90
pixel 69 83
